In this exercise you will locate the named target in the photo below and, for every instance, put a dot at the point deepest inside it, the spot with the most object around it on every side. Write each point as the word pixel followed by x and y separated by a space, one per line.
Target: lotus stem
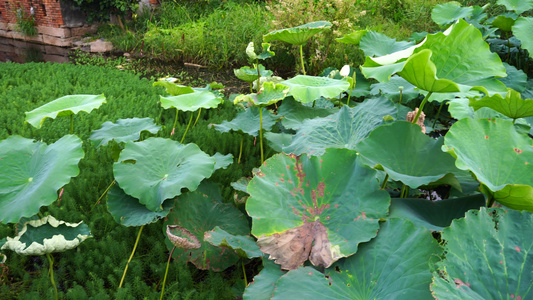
pixel 490 202
pixel 103 194
pixel 166 273
pixel 258 75
pixel 187 129
pixel 240 150
pixel 437 116
pixel 198 117
pixel 251 87
pixel 244 273
pixel 340 97
pixel 261 132
pixel 51 273
pixel 405 191
pixel 175 122
pixel 131 256
pixel 384 184
pixel 302 58
pixel 350 95
pixel 71 124
pixel 421 107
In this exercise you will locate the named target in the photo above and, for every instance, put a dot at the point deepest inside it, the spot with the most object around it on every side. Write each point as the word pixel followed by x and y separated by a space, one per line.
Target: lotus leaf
pixel 47 235
pixel 522 30
pixel 394 265
pixel 269 94
pixel 265 282
pixel 222 161
pixel 353 38
pixel 64 106
pixel 157 169
pixel 247 121
pixel 434 215
pixel 241 184
pixel 297 35
pixel 127 211
pixel 450 12
pixel 174 89
pixel 394 88
pixel 278 141
pixel 244 245
pixel 475 142
pixel 488 256
pixel 250 74
pixel 293 113
pixel 504 21
pixel 377 44
pixel 250 51
pixel 32 172
pixel 307 89
pixel 319 208
pixel 182 238
pixel 343 129
pixel 406 154
pixel 198 213
pixel 123 131
pixel 516 79
pixel 513 106
pixel 519 6
pixel 191 101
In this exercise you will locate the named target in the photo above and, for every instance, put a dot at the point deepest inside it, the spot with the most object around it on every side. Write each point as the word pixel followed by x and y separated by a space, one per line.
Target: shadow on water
pixel 23 52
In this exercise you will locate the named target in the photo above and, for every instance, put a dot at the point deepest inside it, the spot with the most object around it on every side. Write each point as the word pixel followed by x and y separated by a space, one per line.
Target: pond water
pixel 22 52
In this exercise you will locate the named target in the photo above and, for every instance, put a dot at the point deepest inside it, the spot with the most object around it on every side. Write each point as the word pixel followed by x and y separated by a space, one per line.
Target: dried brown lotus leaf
pixel 186 240
pixel 293 247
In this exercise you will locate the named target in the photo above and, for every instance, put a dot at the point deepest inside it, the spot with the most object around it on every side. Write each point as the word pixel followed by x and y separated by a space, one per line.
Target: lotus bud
pixel 188 241
pixel 345 71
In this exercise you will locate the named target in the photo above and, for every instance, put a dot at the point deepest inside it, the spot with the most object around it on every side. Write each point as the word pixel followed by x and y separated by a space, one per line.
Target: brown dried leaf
pixel 293 247
pixel 420 122
pixel 189 241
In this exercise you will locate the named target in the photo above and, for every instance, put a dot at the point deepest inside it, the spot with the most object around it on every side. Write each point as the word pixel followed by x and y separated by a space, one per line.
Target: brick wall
pixel 46 12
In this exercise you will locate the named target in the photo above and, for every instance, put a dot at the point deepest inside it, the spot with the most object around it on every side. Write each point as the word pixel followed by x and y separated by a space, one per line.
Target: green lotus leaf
pixel 307 89
pixel 420 71
pixel 381 73
pixel 47 235
pixel 157 169
pixel 516 79
pixel 519 6
pixel 222 161
pixel 200 213
pixel 297 35
pixel 504 21
pixel 250 51
pixel 278 141
pixel 343 129
pixel 244 245
pixel 353 38
pixel 319 208
pixel 241 184
pixel 434 215
pixel 522 30
pixel 377 44
pixel 33 172
pixel 64 106
pixel 394 88
pixel 247 121
pixel 123 131
pixel 293 113
pixel 474 141
pixel 269 94
pixel 450 12
pixel 191 101
pixel 394 265
pixel 513 106
pixel 127 211
pixel 265 282
pixel 174 89
pixel 460 108
pixel 406 154
pixel 250 74
pixel 488 256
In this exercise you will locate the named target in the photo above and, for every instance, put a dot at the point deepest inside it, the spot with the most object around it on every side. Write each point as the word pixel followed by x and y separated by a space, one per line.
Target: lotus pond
pixel 408 177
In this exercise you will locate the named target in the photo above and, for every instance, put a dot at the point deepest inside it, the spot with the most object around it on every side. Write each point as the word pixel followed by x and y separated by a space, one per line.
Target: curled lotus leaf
pixel 297 35
pixel 64 106
pixel 512 106
pixel 269 94
pixel 32 173
pixel 47 235
pixel 305 88
pixel 317 208
pixel 250 74
pixel 182 238
pixel 123 131
pixel 174 89
pixel 192 101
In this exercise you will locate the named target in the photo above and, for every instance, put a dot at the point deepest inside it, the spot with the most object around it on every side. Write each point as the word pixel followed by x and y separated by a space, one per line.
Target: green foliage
pixel 25 22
